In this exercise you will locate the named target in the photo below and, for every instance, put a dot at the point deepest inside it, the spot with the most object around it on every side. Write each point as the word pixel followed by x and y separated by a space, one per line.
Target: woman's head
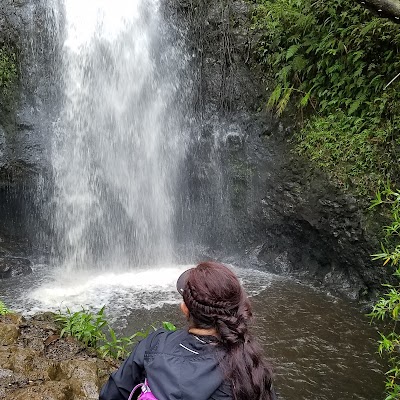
pixel 215 299
pixel 212 294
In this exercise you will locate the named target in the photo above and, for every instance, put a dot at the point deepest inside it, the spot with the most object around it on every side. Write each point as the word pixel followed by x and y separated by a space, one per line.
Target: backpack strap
pixel 145 388
pixel 134 390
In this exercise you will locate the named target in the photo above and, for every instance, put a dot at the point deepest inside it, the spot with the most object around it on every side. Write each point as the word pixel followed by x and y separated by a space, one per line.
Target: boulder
pixel 48 390
pixel 36 363
pixel 14 266
pixel 8 334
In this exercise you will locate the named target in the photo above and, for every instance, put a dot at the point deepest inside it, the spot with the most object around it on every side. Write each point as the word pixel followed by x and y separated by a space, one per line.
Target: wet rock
pixel 83 377
pixel 6 353
pixel 25 31
pixel 28 370
pixel 8 334
pixel 3 148
pixel 28 362
pixel 47 390
pixel 14 266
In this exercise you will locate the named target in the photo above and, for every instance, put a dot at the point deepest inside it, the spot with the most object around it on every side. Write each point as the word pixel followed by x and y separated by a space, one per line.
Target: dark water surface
pixel 322 347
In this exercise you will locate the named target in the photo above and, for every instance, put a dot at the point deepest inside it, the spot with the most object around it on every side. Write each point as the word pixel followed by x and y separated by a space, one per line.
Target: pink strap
pixel 134 389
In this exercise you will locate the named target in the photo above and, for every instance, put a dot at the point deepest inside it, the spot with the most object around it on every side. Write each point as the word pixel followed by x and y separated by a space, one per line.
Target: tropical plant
pixel 3 309
pixel 83 325
pixel 119 348
pixel 116 347
pixel 387 308
pixel 93 330
pixel 168 326
pixel 332 54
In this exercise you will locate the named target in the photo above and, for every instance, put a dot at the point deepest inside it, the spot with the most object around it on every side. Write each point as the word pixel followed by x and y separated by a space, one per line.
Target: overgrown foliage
pixel 338 63
pixel 388 306
pixel 93 330
pixel 356 153
pixel 3 309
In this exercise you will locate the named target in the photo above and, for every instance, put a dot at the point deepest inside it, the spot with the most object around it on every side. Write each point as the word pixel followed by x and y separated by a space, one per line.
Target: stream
pixel 322 347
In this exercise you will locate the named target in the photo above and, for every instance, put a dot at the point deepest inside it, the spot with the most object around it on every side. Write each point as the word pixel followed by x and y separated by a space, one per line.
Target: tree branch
pixel 384 8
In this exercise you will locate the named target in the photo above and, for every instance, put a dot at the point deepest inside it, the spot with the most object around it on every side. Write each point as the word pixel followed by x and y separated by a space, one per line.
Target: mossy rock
pixel 49 390
pixel 8 333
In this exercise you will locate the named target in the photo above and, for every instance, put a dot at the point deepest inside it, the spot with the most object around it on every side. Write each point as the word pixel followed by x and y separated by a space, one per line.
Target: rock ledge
pixel 35 363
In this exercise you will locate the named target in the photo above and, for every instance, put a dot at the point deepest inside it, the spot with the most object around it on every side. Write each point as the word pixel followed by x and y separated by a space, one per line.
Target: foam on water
pixel 145 288
pixel 142 288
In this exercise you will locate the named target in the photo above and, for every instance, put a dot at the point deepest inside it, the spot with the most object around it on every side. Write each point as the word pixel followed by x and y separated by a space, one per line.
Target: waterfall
pixel 119 139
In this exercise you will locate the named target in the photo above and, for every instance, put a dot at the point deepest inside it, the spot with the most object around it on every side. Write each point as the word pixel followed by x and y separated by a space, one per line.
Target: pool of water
pixel 322 347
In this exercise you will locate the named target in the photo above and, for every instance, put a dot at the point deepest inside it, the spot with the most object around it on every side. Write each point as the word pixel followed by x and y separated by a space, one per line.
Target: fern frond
pixel 275 96
pixel 280 108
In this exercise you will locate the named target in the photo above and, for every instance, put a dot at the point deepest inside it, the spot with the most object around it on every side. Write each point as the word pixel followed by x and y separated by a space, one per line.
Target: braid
pixel 222 304
pixel 203 306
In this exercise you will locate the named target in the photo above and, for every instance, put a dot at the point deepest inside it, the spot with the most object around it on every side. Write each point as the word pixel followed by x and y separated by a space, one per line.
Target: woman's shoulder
pixel 181 343
pixel 162 336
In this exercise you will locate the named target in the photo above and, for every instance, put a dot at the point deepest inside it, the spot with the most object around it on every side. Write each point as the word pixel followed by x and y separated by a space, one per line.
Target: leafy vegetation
pixel 388 306
pixel 8 69
pixel 83 325
pixel 350 148
pixel 340 64
pixel 93 330
pixel 3 309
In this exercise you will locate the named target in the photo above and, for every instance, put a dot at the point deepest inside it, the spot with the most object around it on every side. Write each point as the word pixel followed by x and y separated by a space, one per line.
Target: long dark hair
pixel 216 299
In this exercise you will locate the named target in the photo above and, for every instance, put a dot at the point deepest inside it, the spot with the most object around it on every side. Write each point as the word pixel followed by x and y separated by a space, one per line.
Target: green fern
pixel 275 96
pixel 291 51
pixel 284 101
pixel 306 98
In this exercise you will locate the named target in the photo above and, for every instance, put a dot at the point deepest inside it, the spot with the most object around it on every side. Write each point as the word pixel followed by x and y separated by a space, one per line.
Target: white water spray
pixel 118 143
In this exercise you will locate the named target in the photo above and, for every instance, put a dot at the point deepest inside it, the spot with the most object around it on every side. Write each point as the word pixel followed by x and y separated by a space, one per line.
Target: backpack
pixel 146 393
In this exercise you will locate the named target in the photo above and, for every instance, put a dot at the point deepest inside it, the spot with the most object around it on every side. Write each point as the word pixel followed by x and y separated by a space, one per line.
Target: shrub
pixel 388 306
pixel 352 150
pixel 84 326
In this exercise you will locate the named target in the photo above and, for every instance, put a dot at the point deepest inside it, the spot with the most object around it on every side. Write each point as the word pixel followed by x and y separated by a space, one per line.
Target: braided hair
pixel 216 299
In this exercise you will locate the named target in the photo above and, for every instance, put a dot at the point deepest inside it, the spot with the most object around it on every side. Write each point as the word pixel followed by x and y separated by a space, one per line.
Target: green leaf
pixel 291 51
pixel 275 96
pixel 281 106
pixel 169 326
pixel 305 99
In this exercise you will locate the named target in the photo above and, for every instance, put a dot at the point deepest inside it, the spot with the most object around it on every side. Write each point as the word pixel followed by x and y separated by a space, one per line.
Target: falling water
pixel 119 138
pixel 119 144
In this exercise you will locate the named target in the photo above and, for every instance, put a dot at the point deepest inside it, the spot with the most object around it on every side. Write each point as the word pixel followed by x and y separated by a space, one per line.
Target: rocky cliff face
pixel 271 206
pixel 26 30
